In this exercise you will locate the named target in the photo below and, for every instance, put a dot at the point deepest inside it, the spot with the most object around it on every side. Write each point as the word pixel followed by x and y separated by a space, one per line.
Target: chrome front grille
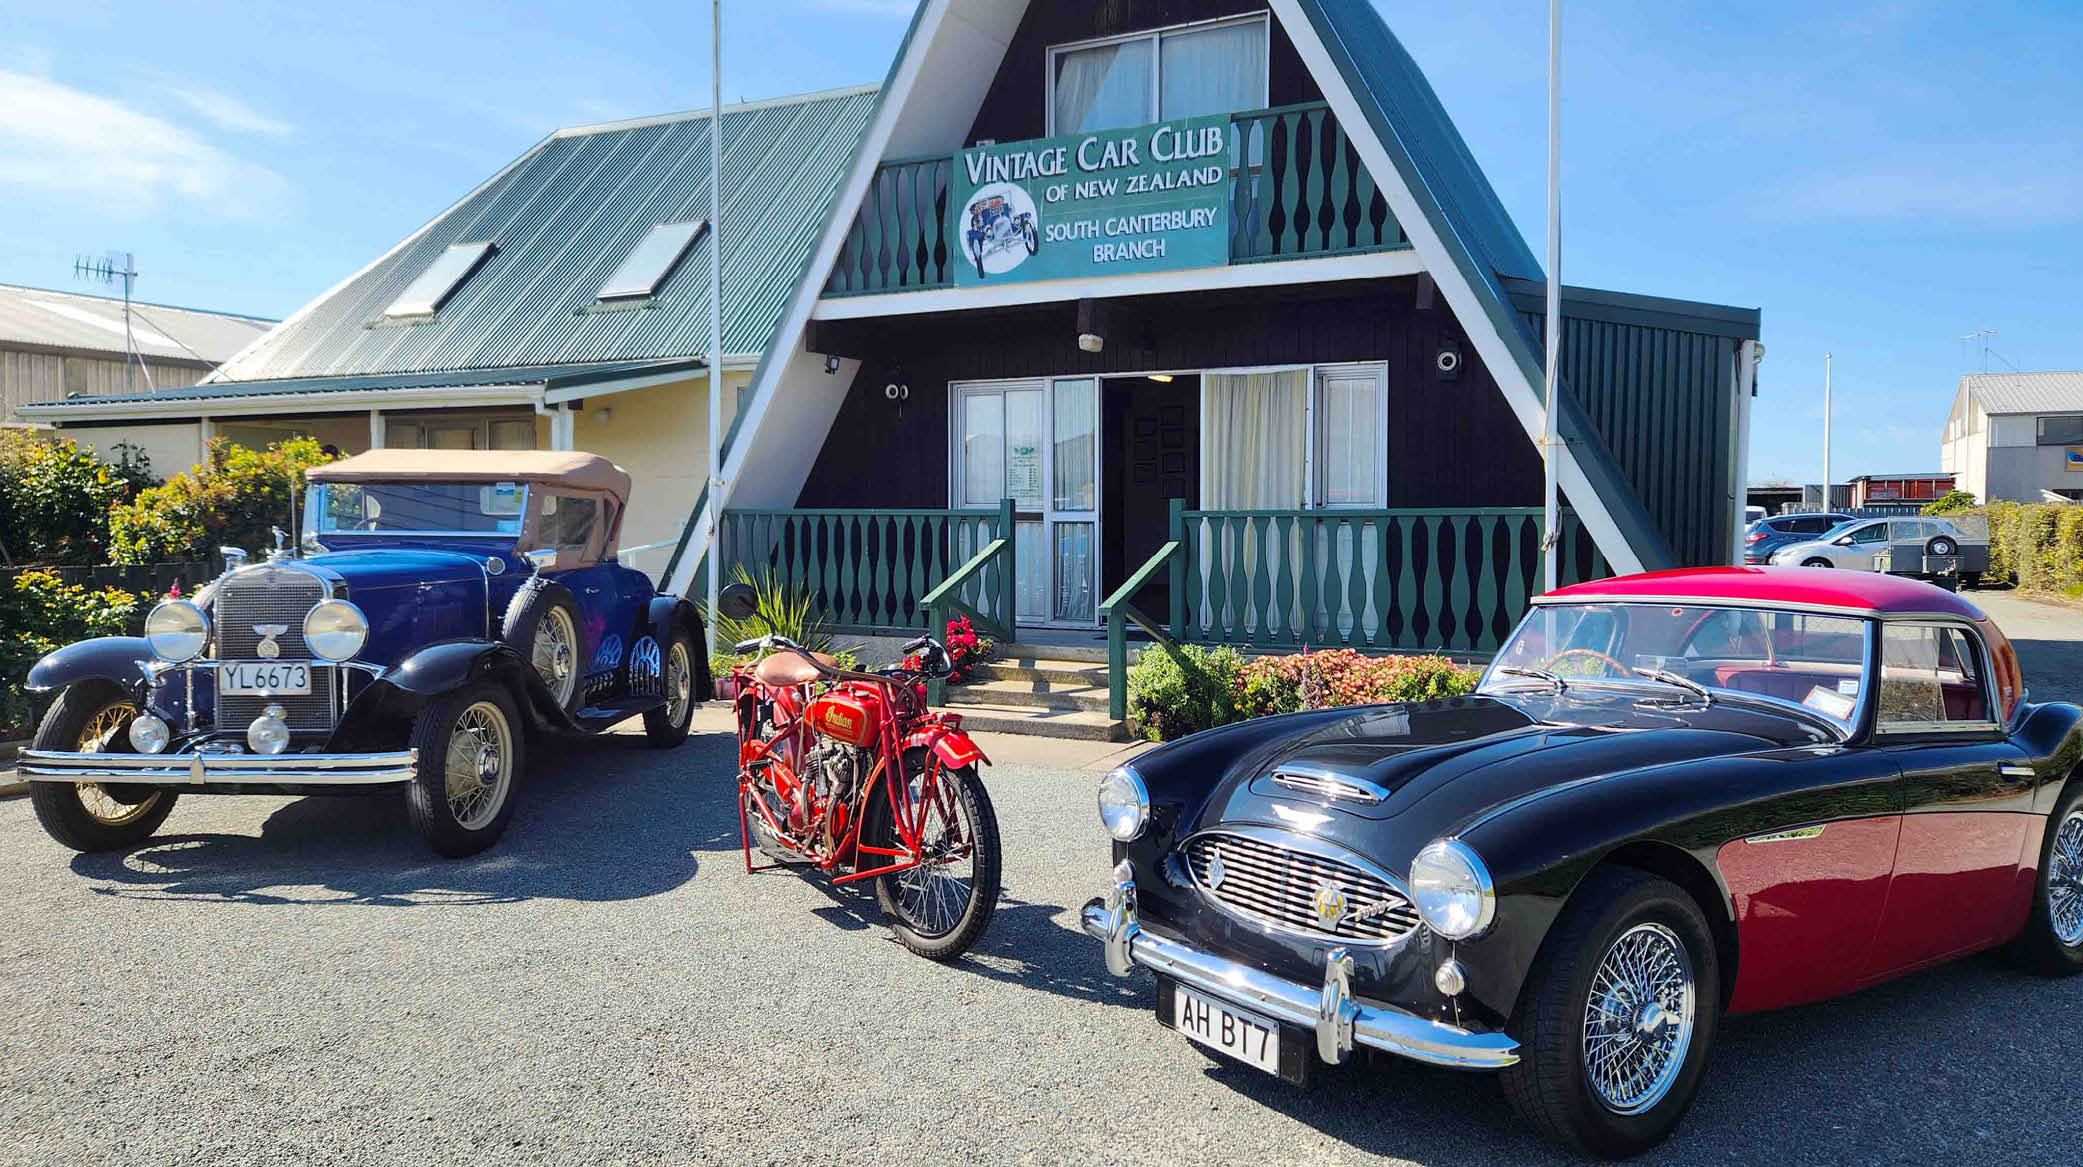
pixel 271 595
pixel 1281 886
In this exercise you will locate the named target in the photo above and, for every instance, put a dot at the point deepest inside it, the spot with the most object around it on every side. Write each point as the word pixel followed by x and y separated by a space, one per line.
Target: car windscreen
pixel 417 508
pixel 1803 658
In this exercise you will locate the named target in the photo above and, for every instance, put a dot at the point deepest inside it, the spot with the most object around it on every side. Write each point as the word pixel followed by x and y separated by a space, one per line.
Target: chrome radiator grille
pixel 270 595
pixel 1280 886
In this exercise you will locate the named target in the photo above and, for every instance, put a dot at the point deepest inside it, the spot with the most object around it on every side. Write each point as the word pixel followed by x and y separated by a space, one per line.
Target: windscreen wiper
pixel 1668 677
pixel 1537 674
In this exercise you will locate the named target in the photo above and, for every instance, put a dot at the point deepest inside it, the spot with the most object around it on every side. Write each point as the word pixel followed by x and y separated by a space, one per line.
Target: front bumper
pixel 215 769
pixel 1338 1021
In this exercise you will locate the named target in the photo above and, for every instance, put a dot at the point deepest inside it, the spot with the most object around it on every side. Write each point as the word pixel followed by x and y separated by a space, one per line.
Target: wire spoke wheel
pixel 554 652
pixel 2065 881
pixel 101 731
pixel 934 896
pixel 478 767
pixel 1639 1020
pixel 679 682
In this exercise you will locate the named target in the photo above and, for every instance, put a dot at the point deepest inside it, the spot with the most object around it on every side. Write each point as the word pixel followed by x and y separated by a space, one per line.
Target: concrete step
pixel 1065 672
pixel 1035 721
pixel 1037 692
pixel 1094 653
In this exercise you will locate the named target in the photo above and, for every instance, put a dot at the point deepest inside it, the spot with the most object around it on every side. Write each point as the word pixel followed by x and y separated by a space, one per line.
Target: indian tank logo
pixel 1003 228
pixel 267 649
pixel 1331 904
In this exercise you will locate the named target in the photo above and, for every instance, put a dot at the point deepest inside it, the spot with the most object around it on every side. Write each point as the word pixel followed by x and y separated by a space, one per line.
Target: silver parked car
pixel 1860 543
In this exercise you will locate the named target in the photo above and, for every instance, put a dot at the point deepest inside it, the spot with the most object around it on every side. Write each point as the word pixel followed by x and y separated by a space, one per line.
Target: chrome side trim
pixel 1794 835
pixel 1339 1021
pixel 198 769
pixel 2010 771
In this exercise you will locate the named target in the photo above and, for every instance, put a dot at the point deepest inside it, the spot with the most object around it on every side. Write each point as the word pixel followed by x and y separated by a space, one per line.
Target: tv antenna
pixel 113 266
pixel 1982 335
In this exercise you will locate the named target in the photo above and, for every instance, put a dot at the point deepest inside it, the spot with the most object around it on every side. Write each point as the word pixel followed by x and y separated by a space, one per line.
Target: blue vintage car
pixel 442 606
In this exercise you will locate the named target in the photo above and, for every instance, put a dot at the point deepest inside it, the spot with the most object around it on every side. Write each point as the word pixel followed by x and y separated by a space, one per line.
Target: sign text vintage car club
pixel 1148 198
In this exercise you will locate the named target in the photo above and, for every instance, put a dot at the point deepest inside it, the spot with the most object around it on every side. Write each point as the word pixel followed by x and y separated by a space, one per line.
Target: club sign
pixel 1143 199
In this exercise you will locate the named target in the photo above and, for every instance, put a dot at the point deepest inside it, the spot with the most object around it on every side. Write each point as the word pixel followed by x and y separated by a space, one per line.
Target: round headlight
pixel 149 734
pixel 177 631
pixel 1452 889
pixel 1124 803
pixel 335 629
pixel 268 734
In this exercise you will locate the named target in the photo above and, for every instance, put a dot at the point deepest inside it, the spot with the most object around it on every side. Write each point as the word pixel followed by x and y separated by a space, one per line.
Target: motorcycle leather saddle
pixel 785 668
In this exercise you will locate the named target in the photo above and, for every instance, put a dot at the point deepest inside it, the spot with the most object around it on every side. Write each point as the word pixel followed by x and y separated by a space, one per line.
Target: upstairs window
pixel 425 295
pixel 2062 430
pixel 1170 73
pixel 652 259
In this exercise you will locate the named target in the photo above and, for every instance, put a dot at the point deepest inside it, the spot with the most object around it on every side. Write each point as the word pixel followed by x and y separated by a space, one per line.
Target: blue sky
pixel 1880 176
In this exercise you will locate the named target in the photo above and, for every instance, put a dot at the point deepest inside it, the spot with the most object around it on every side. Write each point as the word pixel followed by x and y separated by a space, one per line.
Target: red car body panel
pixel 1807 910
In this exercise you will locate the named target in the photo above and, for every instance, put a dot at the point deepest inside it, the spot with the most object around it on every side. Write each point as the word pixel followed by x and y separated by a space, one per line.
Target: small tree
pixel 55 498
pixel 231 499
pixel 1952 502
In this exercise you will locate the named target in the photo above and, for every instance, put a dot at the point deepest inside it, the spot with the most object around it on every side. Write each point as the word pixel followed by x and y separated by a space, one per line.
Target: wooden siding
pixel 1450 443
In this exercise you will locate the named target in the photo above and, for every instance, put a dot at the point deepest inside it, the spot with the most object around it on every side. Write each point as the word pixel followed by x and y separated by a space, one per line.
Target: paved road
pixel 295 980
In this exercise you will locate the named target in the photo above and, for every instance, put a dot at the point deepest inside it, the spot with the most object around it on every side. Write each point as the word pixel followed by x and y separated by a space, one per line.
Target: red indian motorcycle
pixel 851 773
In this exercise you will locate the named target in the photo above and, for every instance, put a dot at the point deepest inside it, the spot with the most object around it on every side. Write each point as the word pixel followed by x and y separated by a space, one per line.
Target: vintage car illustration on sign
pixel 445 604
pixel 1001 231
pixel 1673 796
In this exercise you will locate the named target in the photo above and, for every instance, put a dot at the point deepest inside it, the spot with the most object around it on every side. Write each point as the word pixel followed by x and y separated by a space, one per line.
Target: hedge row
pixel 2037 546
pixel 39 613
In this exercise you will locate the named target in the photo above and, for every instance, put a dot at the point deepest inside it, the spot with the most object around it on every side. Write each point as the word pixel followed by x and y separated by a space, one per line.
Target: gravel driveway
pixel 295 980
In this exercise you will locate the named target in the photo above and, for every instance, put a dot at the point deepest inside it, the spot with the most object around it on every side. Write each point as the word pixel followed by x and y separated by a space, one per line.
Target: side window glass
pixel 567 523
pixel 1871 533
pixel 1931 676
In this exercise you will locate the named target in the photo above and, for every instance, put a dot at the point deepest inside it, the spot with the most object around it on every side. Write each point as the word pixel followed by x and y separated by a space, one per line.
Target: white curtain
pixel 1213 70
pixel 1103 88
pixel 1254 462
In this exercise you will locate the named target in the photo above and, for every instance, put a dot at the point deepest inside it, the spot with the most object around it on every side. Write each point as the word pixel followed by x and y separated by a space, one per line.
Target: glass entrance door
pixel 1037 443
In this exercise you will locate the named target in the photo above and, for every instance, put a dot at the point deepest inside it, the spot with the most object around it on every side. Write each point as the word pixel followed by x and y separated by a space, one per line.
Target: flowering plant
pixel 965 650
pixel 1341 676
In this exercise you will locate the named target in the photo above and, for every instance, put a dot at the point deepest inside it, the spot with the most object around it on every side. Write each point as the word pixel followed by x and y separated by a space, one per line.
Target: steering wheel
pixel 1619 670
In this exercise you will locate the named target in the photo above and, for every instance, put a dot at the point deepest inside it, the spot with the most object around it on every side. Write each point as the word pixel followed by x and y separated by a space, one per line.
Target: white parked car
pixel 1860 543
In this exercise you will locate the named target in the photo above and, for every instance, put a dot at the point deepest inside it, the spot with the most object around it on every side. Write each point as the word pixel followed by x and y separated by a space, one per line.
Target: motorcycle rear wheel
pixel 940 911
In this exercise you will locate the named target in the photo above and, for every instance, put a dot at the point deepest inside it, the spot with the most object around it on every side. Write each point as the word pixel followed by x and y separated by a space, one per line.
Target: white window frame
pixel 1312 485
pixel 1155 36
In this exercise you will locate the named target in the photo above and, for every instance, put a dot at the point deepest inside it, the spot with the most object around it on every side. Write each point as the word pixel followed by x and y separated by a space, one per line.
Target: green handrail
pixel 1119 608
pixel 947 598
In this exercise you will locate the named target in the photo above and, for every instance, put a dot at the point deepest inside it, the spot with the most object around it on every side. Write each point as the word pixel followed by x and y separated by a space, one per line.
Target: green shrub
pixel 1335 677
pixel 1952 502
pixel 40 613
pixel 229 500
pixel 55 497
pixel 785 609
pixel 1173 692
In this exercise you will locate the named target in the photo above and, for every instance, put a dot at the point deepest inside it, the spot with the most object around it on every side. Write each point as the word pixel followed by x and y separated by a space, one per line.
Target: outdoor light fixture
pixel 898 389
pixel 1091 342
pixel 1161 378
pixel 1092 325
pixel 831 366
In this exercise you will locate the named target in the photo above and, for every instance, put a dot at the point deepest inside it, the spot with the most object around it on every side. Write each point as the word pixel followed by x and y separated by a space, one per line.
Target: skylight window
pixel 652 259
pixel 425 295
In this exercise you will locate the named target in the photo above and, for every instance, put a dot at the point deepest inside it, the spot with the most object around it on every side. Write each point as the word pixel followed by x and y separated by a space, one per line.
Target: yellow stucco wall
pixel 656 434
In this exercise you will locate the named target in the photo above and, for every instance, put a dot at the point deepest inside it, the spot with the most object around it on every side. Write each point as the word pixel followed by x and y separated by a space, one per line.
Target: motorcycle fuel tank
pixel 850 713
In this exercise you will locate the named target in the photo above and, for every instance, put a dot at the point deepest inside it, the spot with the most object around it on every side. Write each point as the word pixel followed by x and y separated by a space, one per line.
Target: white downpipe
pixel 1748 354
pixel 1551 445
pixel 714 441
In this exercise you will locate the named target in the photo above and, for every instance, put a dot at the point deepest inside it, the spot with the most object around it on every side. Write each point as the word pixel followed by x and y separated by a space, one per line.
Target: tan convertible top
pixel 570 468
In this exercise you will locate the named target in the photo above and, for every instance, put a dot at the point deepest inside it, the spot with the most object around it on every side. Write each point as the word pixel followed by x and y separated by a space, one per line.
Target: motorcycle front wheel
pixel 940 908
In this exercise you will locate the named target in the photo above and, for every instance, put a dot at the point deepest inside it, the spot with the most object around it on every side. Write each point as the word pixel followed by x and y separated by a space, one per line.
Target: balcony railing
pixel 1298 190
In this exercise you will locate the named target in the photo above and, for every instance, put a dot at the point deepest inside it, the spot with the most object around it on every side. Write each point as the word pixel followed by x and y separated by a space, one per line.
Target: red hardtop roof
pixel 1791 587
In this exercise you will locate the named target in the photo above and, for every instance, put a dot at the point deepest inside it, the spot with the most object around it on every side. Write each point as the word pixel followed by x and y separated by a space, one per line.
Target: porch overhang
pixel 545 385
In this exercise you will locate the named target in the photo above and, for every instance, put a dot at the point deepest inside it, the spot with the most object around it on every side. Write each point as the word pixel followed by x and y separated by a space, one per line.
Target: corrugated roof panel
pixel 70 320
pixel 2049 392
pixel 564 215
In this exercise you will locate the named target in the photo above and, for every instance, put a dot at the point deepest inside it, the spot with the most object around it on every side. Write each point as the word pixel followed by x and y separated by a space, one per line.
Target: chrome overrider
pixel 206 768
pixel 1339 1021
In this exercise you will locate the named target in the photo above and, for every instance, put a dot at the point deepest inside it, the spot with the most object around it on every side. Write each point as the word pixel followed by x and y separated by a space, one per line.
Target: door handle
pixel 2018 771
pixel 592 591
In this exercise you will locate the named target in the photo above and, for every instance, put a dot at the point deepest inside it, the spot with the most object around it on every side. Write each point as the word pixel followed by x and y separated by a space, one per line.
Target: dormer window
pixel 1168 73
pixel 425 295
pixel 652 259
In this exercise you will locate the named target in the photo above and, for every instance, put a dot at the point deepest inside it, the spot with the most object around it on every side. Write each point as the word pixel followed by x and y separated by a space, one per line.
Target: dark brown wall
pixel 1013 109
pixel 1451 443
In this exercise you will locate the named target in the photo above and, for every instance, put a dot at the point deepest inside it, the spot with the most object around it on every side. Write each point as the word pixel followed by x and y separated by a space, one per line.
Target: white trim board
pixel 1372 265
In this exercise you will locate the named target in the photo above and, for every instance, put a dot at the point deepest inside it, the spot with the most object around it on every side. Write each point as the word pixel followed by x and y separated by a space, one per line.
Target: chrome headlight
pixel 177 631
pixel 335 629
pixel 1124 803
pixel 1452 889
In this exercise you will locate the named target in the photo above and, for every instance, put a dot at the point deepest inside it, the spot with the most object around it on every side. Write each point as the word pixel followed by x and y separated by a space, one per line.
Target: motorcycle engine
pixel 834 771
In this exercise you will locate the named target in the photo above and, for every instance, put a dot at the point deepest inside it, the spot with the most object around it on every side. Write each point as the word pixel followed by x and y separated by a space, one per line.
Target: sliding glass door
pixel 1037 443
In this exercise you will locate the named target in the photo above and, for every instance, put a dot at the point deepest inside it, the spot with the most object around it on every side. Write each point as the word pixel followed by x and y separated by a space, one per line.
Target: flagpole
pixel 1551 448
pixel 714 440
pixel 1829 504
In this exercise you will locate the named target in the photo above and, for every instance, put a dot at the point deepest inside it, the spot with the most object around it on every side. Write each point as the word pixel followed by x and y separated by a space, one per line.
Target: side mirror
pixel 540 560
pixel 737 601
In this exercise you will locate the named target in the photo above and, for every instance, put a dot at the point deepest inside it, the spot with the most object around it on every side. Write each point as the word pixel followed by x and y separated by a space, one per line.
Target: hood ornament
pixel 267 649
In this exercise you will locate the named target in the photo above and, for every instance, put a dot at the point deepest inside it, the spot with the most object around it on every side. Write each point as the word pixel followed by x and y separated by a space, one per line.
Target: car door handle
pixel 592 591
pixel 2019 771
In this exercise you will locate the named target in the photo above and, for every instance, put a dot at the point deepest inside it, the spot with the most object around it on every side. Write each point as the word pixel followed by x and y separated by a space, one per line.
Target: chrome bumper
pixel 219 769
pixel 1338 1021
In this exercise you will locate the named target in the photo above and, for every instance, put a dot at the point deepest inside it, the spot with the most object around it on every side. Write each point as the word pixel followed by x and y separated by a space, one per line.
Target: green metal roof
pixel 564 216
pixel 550 377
